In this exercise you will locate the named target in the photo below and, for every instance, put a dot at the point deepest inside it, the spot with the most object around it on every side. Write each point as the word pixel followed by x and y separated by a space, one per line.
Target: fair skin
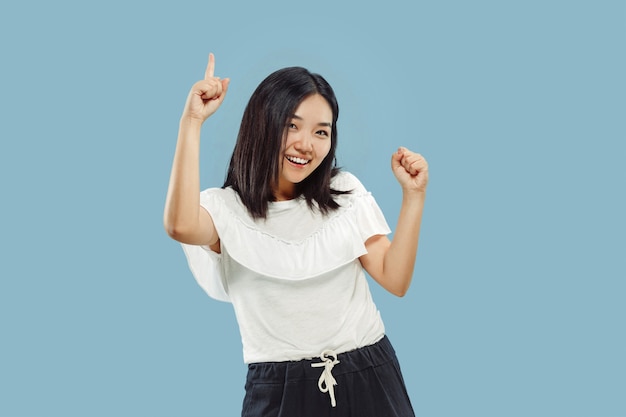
pixel 389 262
pixel 184 219
pixel 306 145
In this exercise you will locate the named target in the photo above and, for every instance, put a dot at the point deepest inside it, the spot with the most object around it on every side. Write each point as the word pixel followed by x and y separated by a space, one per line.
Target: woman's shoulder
pixel 222 200
pixel 346 181
pixel 224 194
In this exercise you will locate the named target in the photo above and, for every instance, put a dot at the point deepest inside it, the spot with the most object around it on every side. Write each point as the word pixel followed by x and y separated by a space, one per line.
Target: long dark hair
pixel 255 167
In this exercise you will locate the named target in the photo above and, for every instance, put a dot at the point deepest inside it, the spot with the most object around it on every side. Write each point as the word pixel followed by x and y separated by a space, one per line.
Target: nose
pixel 304 143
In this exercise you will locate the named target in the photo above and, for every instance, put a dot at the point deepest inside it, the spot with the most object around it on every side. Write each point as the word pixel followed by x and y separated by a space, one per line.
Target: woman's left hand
pixel 410 169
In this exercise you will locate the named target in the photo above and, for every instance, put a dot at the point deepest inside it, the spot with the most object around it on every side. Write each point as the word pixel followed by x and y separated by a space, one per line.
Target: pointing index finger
pixel 210 67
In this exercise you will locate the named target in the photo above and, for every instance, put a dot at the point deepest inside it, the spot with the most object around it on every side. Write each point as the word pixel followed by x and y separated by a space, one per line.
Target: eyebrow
pixel 295 116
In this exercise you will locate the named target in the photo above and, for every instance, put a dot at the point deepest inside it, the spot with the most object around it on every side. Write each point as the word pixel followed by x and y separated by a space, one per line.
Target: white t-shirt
pixel 294 279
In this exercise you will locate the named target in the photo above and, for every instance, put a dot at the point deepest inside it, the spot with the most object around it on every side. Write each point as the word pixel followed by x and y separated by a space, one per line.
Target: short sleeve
pixel 367 216
pixel 206 265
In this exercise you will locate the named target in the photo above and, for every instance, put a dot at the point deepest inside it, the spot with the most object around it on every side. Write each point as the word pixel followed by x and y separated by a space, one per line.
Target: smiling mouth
pixel 297 161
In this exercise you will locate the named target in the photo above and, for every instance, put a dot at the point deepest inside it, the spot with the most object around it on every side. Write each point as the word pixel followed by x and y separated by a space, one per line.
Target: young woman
pixel 286 240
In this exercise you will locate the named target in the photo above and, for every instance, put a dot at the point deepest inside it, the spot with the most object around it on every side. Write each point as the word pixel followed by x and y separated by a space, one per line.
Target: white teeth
pixel 298 160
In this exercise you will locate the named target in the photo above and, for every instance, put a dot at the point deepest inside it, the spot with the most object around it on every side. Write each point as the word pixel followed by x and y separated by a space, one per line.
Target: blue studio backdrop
pixel 517 303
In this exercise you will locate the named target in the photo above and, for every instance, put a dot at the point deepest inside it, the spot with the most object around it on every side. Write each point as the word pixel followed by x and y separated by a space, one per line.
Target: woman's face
pixel 307 144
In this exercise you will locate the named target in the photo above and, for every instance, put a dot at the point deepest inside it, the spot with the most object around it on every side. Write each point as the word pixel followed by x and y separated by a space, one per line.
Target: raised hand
pixel 206 95
pixel 410 169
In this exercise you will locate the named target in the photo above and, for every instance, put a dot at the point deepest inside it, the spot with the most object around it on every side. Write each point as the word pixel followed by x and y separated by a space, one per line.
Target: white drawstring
pixel 327 382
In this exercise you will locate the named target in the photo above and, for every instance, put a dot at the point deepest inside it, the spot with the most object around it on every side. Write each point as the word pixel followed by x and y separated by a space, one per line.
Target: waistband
pixel 356 360
pixel 324 369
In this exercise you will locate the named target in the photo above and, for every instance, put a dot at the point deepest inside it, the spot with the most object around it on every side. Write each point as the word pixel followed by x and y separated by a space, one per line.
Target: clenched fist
pixel 410 169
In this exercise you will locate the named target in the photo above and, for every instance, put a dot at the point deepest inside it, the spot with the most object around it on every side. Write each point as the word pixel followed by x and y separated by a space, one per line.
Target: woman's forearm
pixel 182 203
pixel 399 260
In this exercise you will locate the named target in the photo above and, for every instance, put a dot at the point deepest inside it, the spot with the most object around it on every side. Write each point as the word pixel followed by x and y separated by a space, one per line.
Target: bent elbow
pixel 171 231
pixel 174 231
pixel 189 233
pixel 400 292
pixel 401 288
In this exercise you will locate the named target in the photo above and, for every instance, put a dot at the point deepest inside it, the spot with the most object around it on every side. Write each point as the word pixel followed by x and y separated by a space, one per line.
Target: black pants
pixel 369 383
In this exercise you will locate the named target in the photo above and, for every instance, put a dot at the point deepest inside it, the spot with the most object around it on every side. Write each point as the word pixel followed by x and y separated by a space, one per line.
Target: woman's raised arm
pixel 391 263
pixel 184 219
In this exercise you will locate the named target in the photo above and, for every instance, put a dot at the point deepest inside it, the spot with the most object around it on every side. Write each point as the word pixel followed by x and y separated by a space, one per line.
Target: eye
pixel 322 133
pixel 292 126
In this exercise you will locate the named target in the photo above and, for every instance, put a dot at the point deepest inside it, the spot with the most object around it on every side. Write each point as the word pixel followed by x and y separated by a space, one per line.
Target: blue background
pixel 517 306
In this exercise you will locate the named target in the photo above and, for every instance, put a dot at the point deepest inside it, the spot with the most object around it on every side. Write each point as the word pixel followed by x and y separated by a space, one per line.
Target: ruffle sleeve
pixel 339 239
pixel 206 267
